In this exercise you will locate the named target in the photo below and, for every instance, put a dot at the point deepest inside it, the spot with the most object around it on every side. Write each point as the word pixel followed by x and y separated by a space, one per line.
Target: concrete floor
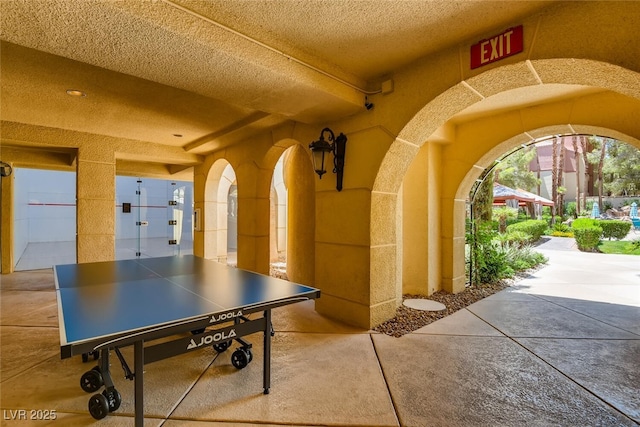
pixel 559 348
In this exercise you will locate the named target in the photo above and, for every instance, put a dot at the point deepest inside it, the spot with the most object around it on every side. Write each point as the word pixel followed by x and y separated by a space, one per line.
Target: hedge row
pixel 614 228
pixel 533 227
pixel 587 237
pixel 611 228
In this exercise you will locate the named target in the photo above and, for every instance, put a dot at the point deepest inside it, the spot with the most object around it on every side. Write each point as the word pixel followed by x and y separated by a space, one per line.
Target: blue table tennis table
pixel 105 306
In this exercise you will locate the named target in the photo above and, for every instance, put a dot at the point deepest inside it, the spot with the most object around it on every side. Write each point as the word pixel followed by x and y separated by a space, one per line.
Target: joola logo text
pixel 210 339
pixel 225 316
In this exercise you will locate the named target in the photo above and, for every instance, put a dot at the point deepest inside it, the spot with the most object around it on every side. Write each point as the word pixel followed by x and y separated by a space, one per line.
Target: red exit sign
pixel 497 47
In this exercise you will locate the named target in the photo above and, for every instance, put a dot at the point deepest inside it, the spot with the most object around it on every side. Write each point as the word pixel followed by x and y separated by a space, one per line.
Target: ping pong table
pixel 105 306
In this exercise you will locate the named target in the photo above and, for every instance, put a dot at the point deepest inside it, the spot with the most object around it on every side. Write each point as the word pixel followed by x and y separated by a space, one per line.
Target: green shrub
pixel 493 261
pixel 494 225
pixel 587 238
pixel 614 228
pixel 570 210
pixel 524 257
pixel 514 238
pixel 489 264
pixel 494 266
pixel 582 223
pixel 515 220
pixel 534 227
pixel 562 227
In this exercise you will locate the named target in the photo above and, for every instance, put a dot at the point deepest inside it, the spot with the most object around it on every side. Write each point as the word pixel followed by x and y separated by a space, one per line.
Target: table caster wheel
pixel 240 358
pixel 113 397
pixel 98 406
pixel 85 356
pixel 198 331
pixel 91 380
pixel 221 347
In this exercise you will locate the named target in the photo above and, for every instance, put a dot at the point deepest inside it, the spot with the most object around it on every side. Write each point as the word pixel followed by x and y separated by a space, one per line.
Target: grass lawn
pixel 624 247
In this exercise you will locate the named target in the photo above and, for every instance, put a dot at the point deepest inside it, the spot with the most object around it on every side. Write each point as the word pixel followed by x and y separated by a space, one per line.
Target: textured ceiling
pixel 205 74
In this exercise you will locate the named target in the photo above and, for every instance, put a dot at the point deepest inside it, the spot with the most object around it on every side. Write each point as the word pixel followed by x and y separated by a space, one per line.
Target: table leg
pixel 267 352
pixel 139 382
pixel 105 368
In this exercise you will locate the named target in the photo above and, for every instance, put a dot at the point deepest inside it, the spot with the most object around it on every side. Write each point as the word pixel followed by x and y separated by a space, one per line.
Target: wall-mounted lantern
pixel 321 147
pixel 5 169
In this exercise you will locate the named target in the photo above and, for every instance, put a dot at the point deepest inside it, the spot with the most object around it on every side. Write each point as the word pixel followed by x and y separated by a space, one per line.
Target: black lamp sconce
pixel 336 145
pixel 5 169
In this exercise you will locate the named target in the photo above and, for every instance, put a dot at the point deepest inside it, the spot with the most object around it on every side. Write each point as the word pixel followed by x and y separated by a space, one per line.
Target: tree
pixel 587 175
pixel 559 184
pixel 483 200
pixel 576 154
pixel 502 214
pixel 554 179
pixel 596 157
pixel 622 169
pixel 514 172
pixel 603 151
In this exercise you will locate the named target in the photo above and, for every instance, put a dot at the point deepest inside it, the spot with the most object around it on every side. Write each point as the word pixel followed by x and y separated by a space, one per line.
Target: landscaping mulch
pixel 408 319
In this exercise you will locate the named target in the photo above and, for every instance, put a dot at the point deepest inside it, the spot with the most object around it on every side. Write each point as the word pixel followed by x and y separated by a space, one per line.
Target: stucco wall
pixel 579 69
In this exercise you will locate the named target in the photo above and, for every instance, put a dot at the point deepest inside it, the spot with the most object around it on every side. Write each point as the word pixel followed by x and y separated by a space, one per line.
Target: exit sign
pixel 497 47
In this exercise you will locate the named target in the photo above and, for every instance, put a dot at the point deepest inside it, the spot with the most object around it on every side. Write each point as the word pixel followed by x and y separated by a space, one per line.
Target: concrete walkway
pixel 559 348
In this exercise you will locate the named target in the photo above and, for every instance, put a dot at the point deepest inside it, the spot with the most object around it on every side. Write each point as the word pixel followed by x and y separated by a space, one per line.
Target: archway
pixel 220 213
pixel 461 142
pixel 293 211
pixel 278 222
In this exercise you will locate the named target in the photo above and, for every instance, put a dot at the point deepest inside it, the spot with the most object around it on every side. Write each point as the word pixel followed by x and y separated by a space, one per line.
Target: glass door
pixel 154 218
pixel 130 217
pixel 180 218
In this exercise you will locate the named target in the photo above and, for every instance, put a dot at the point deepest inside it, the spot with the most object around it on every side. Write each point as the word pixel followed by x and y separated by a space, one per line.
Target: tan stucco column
pixel 96 189
pixel 199 185
pixel 356 274
pixel 6 227
pixel 415 215
pixel 421 223
pixel 253 217
pixel 453 242
pixel 301 215
pixel 342 254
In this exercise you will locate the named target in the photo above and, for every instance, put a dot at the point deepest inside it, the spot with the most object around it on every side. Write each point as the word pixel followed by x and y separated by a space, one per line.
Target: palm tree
pixel 603 149
pixel 559 187
pixel 587 176
pixel 554 193
pixel 574 141
pixel 502 214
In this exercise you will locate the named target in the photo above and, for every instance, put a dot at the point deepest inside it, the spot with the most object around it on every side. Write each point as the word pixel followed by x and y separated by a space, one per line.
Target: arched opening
pixel 220 223
pixel 278 221
pixel 457 135
pixel 292 224
pixel 550 179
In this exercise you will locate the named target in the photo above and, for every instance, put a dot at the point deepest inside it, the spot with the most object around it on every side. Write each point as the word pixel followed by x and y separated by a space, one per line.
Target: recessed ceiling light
pixel 74 92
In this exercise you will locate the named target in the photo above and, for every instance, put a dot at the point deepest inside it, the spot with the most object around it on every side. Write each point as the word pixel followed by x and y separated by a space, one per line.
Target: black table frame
pixel 216 331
